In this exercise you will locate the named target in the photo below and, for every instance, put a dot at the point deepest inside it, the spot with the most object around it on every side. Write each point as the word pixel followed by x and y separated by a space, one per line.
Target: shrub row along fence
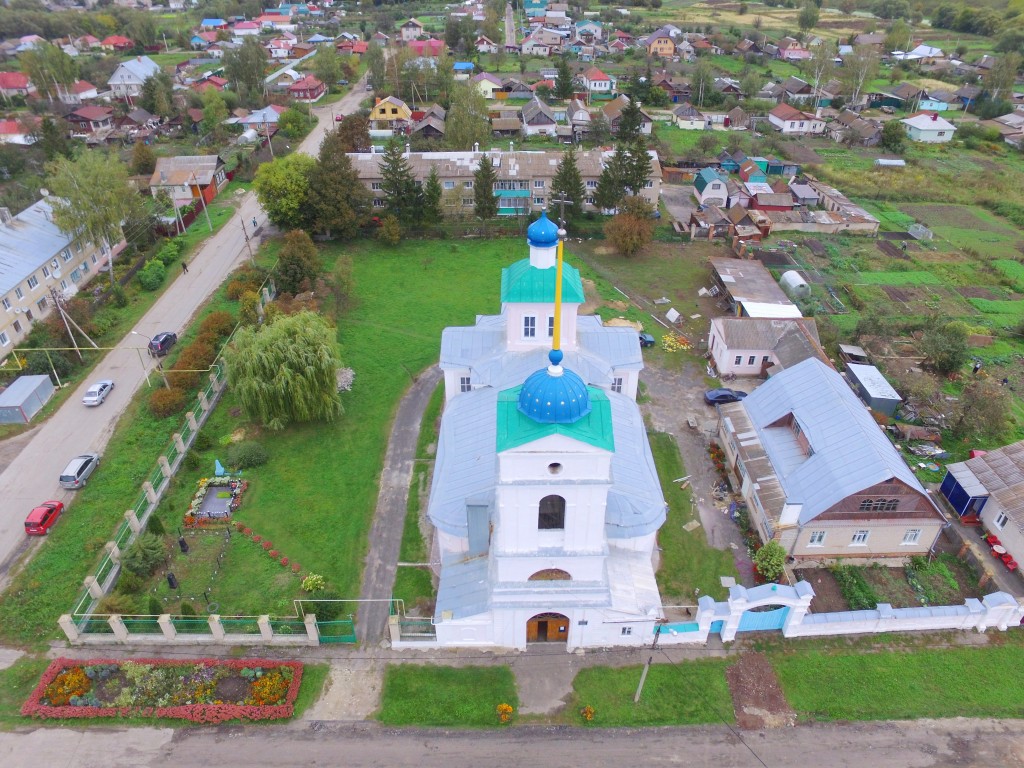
pixel 100 583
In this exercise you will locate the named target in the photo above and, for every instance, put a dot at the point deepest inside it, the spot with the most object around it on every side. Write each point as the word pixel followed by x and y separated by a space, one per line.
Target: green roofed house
pixel 545 499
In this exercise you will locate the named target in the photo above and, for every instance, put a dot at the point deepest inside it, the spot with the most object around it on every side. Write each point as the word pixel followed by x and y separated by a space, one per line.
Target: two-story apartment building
pixel 524 177
pixel 35 257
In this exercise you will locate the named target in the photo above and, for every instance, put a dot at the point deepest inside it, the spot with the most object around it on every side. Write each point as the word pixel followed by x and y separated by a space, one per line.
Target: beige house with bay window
pixel 818 474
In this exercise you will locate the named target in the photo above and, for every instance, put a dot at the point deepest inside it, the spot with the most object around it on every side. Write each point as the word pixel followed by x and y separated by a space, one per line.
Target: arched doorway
pixel 547 628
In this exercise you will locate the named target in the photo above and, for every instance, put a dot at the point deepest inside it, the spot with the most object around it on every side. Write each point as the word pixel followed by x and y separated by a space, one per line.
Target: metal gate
pixel 340 631
pixel 758 621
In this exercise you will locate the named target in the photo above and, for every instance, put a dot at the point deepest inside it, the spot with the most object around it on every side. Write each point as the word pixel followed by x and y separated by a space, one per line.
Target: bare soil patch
pixel 817 248
pixel 974 292
pixel 890 250
pixel 757 697
pixel 827 597
pixel 950 216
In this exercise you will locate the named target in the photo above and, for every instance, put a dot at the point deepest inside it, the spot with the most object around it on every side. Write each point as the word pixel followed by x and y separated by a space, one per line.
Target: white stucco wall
pixel 542 311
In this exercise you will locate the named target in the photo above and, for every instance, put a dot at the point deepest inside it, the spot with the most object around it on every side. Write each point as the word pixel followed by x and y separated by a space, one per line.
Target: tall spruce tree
pixel 432 194
pixel 630 121
pixel 568 184
pixel 611 185
pixel 639 167
pixel 485 204
pixel 340 202
pixel 401 194
pixel 563 81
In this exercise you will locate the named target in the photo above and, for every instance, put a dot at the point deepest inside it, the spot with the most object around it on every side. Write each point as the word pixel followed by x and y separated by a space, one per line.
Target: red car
pixel 41 519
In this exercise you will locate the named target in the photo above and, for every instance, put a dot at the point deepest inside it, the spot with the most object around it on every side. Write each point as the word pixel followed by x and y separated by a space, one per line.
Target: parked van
pixel 78 470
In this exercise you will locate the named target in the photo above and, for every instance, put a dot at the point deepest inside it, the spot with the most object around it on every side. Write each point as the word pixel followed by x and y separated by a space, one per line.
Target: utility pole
pixel 247 244
pixel 203 201
pixel 643 679
pixel 64 317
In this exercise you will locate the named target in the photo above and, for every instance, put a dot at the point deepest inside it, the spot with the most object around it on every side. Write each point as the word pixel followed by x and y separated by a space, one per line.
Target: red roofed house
pixel 15 84
pixel 547 83
pixel 81 91
pixel 117 43
pixel 15 132
pixel 246 28
pixel 280 48
pixel 87 42
pixel 213 81
pixel 276 21
pixel 90 119
pixel 431 47
pixel 792 121
pixel 309 89
pixel 596 81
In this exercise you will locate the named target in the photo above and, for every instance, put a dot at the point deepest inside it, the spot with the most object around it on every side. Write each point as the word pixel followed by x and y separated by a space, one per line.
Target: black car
pixel 723 396
pixel 161 344
pixel 646 340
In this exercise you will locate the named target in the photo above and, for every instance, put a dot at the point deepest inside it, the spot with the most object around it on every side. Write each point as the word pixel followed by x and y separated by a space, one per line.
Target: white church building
pixel 545 498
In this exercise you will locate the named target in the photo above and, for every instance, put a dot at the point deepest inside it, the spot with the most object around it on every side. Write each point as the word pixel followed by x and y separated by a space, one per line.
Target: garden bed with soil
pixel 198 690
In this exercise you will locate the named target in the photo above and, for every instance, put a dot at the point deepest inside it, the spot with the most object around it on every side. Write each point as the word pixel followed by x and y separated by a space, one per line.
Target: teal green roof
pixel 525 284
pixel 516 429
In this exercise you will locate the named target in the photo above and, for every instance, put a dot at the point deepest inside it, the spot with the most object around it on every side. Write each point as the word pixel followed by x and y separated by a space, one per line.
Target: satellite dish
pixel 18 310
pixel 56 273
pixel 54 264
pixel 44 192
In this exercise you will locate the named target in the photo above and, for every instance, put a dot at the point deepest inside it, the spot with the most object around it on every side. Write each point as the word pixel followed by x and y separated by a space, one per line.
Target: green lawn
pixel 688 693
pixel 958 682
pixel 687 561
pixel 445 696
pixel 16 683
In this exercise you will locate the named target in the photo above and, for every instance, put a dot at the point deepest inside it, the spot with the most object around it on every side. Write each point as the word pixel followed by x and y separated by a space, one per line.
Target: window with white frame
pixel 551 326
pixel 19 293
pixel 817 539
pixel 66 254
pixel 617 384
pixel 75 276
pixel 93 257
pixel 78 247
pixel 588 200
pixel 41 304
pixel 860 539
pixel 6 302
pixel 63 285
pixel 376 186
pixel 538 183
pixel 449 185
pixel 46 271
pixel 467 185
pixel 529 327
pixel 538 201
pixel 465 384
pixel 627 630
pixel 765 359
pixel 738 360
pixel 378 202
pixel 648 184
pixel 1001 520
pixel 591 184
pixel 912 536
pixel 17 326
pixel 468 202
pixel 4 341
pixel 751 359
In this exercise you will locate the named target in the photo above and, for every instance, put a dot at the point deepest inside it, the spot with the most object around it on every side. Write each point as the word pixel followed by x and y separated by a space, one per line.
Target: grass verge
pixel 689 693
pixel 313 678
pixel 16 683
pixel 900 686
pixel 445 696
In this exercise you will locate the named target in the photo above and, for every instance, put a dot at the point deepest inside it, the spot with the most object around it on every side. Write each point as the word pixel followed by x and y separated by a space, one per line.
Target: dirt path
pixel 757 698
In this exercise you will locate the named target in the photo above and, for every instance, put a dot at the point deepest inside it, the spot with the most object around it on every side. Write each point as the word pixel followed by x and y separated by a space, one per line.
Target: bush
pixel 155 607
pixel 247 454
pixel 187 609
pixel 327 611
pixel 202 441
pixel 770 561
pixel 155 526
pixel 169 252
pixel 130 583
pixel 855 589
pixel 119 297
pixel 246 278
pixel 152 276
pixel 313 583
pixel 117 603
pixel 144 555
pixel 220 324
pixel 193 360
pixel 191 460
pixel 166 402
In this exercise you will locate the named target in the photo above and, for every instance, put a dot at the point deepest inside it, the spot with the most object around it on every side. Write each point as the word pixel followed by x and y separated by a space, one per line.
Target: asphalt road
pixel 920 744
pixel 31 476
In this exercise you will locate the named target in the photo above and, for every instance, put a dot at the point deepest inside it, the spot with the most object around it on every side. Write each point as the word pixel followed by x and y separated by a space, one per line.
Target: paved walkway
pixel 389 517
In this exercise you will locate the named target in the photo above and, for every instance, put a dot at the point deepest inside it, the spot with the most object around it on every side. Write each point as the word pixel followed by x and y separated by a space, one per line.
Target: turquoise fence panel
pixel 675 629
pixel 93 624
pixel 759 621
pixel 191 626
pixel 106 566
pixel 343 631
pixel 716 627
pixel 241 626
pixel 288 626
pixel 142 625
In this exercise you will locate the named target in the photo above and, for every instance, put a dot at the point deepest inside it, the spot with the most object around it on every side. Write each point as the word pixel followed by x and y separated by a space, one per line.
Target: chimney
pixel 407 148
pixel 511 146
pixel 5 216
pixel 935 116
pixel 476 146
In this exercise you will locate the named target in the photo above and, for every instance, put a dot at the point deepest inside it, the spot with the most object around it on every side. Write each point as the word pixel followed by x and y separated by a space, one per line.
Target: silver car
pixel 78 470
pixel 98 392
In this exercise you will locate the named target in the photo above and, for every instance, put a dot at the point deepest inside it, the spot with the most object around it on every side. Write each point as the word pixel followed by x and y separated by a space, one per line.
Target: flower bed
pixel 197 515
pixel 197 690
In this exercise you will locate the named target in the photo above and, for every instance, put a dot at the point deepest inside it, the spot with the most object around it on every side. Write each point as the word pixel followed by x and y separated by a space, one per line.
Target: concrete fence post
pixel 178 442
pixel 113 550
pixel 150 493
pixel 311 629
pixel 394 629
pixel 216 628
pixel 133 521
pixel 167 626
pixel 68 626
pixel 191 419
pixel 120 630
pixel 217 383
pixel 165 466
pixel 266 631
pixel 204 402
pixel 94 587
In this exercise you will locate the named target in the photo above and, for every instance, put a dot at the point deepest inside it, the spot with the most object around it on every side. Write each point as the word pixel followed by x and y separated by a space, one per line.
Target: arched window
pixel 551 574
pixel 551 514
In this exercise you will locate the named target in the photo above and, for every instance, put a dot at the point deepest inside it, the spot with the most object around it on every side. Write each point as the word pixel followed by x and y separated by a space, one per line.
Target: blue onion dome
pixel 554 395
pixel 543 233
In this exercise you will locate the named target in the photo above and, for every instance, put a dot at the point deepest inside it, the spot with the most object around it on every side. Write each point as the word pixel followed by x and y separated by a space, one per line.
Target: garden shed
pixel 794 285
pixel 24 398
pixel 873 388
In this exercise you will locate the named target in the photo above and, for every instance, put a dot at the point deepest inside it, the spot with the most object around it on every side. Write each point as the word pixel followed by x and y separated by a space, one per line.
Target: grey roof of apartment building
pixel 27 242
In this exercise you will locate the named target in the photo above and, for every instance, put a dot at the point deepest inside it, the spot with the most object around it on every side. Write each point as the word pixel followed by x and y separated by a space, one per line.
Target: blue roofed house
pixel 545 499
pixel 820 476
pixel 210 24
pixel 463 70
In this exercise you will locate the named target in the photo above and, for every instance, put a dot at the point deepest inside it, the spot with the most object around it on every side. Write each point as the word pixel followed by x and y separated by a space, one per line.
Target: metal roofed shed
pixel 24 398
pixel 854 354
pixel 752 289
pixel 873 388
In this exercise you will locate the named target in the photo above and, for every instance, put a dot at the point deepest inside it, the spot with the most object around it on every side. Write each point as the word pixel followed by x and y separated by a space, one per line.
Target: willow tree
pixel 285 372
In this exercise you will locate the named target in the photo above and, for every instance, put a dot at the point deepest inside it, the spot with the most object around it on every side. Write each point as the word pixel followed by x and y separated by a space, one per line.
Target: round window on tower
pixel 555 468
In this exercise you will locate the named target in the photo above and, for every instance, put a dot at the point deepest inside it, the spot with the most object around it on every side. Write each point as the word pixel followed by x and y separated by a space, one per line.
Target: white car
pixel 98 392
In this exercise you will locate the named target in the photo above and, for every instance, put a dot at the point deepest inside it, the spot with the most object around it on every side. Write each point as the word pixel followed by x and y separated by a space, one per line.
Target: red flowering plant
pixel 195 690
